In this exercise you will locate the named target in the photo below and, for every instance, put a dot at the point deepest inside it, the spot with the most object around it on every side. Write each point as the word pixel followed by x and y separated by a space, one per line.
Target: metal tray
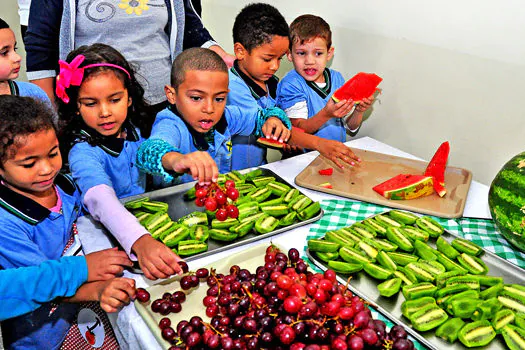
pixel 366 287
pixel 179 206
pixel 357 182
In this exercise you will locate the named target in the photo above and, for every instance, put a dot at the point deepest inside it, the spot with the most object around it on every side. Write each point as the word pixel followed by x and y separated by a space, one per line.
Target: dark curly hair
pixel 256 24
pixel 70 123
pixel 21 116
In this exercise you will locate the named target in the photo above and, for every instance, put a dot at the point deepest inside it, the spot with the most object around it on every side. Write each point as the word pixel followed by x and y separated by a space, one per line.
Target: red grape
pixel 201 193
pixel 210 204
pixel 200 202
pixel 221 214
pixel 233 211
pixel 220 197
pixel 232 193
pixel 184 266
pixel 168 333
pixel 142 295
pixel 229 183
pixel 164 323
pixel 292 304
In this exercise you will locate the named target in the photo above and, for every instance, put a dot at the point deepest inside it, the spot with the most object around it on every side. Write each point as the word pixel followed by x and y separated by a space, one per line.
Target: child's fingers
pixel 171 259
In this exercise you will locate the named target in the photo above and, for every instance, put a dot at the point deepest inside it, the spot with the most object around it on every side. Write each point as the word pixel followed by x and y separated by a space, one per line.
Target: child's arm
pixel 329 111
pixel 112 294
pixel 25 289
pixel 333 150
pixel 353 122
pixel 155 259
pixel 200 165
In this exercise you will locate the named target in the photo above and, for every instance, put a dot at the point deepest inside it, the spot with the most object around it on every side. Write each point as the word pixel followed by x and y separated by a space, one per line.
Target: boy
pixel 260 35
pixel 193 135
pixel 305 92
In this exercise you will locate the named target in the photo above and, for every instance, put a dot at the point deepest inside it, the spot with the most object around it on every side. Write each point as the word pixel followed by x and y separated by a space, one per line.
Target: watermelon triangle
pixel 437 166
pixel 360 86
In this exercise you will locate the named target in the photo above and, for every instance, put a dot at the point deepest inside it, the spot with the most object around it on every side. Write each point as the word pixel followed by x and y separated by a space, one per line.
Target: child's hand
pixel 155 259
pixel 115 293
pixel 365 104
pixel 275 129
pixel 200 165
pixel 337 152
pixel 339 109
pixel 106 264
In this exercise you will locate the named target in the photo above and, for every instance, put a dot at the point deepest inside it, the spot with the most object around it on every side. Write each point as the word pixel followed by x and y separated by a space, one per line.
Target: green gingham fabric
pixel 342 213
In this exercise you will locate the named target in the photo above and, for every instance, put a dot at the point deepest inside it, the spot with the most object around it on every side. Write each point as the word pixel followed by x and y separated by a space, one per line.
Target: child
pixel 38 210
pixel 25 289
pixel 100 111
pixel 10 62
pixel 305 92
pixel 194 134
pixel 260 35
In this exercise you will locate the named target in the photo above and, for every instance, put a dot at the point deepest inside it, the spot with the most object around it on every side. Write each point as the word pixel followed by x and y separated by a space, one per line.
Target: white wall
pixel 452 70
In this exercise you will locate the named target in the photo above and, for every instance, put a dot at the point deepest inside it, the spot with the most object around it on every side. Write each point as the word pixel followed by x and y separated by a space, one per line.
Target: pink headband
pixel 71 75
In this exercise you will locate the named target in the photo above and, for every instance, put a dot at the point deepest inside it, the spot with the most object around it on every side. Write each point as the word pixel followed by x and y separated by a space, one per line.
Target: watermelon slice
pixel 436 168
pixel 361 85
pixel 271 143
pixel 405 186
pixel 326 185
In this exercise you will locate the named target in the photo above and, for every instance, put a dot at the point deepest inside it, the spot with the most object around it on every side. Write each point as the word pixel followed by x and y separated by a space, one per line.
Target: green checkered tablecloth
pixel 341 213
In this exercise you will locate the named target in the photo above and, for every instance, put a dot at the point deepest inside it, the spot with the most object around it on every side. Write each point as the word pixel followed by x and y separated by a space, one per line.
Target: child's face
pixel 36 163
pixel 103 103
pixel 201 98
pixel 264 60
pixel 310 58
pixel 9 59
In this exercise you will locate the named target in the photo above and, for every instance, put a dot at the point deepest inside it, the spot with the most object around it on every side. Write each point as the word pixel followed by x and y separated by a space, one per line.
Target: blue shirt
pixel 27 288
pixel 171 128
pixel 246 94
pixel 293 88
pixel 111 162
pixel 20 88
pixel 31 234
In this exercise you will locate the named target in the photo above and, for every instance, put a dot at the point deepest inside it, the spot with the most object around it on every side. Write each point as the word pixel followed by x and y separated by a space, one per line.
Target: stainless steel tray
pixel 366 287
pixel 179 206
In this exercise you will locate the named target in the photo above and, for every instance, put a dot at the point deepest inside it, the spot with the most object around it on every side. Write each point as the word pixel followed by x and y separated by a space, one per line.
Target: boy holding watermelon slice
pixel 305 92
pixel 260 35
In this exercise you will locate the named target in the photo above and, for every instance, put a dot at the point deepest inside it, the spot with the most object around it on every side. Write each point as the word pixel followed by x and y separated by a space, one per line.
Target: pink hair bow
pixel 70 75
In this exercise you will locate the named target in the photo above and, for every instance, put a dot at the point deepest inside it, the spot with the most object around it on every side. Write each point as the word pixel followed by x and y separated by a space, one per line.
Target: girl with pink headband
pixel 102 111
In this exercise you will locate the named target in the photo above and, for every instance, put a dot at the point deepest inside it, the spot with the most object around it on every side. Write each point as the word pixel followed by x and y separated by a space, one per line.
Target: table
pixel 130 329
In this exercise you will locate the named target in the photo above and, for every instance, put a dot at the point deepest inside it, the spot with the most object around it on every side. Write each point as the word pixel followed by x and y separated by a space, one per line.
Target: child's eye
pixel 89 104
pixel 299 53
pixel 115 100
pixel 220 99
pixel 267 59
pixel 29 165
pixel 319 53
pixel 3 53
pixel 53 155
pixel 195 98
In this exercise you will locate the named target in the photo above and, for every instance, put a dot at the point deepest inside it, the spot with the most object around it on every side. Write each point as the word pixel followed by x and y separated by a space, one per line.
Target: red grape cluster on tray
pixel 215 198
pixel 280 306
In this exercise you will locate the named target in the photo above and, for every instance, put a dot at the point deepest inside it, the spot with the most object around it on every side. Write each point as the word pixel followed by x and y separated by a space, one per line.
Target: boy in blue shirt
pixel 193 135
pixel 305 92
pixel 260 35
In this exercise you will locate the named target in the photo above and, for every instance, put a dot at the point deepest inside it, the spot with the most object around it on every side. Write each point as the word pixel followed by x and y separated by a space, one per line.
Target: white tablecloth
pixel 129 327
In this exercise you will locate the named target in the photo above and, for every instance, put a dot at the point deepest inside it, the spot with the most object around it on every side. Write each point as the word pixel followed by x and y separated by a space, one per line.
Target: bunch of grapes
pixel 283 306
pixel 218 199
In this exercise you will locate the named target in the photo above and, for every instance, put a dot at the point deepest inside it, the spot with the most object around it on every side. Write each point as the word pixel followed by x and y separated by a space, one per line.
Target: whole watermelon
pixel 507 201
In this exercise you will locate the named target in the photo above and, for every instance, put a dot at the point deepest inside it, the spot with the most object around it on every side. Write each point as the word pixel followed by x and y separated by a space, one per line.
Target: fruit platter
pixel 448 289
pixel 263 298
pixel 196 221
pixel 358 182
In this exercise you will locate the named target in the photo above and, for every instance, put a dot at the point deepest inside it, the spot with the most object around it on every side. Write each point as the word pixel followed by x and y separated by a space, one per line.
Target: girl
pixel 38 210
pixel 100 103
pixel 10 62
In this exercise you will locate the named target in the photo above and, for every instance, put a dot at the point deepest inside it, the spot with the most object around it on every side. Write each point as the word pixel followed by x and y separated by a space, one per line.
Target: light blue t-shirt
pixel 293 89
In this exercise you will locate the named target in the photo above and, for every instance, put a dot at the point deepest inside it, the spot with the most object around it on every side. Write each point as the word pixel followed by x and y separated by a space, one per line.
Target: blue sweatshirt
pixel 25 289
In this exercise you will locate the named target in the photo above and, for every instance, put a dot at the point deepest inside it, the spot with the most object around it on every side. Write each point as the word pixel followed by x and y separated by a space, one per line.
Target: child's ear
pixel 289 55
pixel 240 51
pixel 170 94
pixel 130 101
pixel 330 53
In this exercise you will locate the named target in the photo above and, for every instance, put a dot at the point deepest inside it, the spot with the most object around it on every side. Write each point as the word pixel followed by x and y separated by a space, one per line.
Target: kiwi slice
pixel 429 317
pixel 478 333
pixel 449 330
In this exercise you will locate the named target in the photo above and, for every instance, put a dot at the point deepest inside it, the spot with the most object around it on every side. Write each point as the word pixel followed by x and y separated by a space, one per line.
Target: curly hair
pixel 70 123
pixel 256 24
pixel 21 116
pixel 307 27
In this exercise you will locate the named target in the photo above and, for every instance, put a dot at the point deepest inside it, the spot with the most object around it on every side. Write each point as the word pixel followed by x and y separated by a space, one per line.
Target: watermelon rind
pixel 437 166
pixel 405 186
pixel 507 201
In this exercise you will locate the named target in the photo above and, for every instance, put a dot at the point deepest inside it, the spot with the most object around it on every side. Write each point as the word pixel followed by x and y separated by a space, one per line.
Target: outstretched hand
pixel 155 259
pixel 338 153
pixel 274 129
pixel 106 264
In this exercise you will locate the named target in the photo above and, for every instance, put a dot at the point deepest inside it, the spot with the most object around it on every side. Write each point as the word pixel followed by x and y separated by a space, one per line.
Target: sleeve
pixel 34 91
pixel 297 111
pixel 240 94
pixel 17 248
pixel 24 289
pixel 103 204
pixel 288 94
pixel 87 167
pixel 247 122
pixel 42 38
pixel 195 34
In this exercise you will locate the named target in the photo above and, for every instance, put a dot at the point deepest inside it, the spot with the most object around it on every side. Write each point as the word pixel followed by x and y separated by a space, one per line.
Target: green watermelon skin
pixel 507 201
